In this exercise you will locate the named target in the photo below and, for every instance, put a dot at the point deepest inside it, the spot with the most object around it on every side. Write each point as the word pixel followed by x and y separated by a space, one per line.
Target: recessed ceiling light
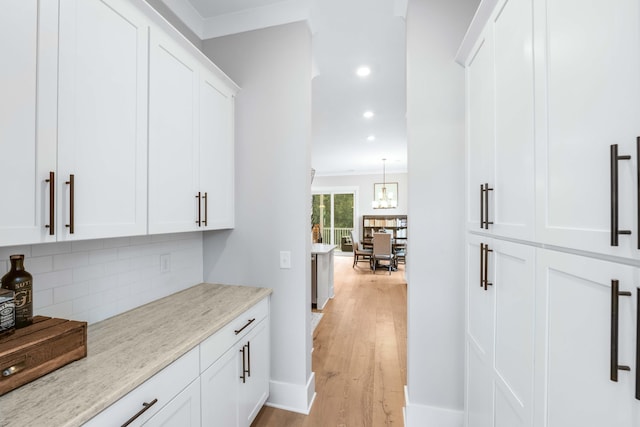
pixel 371 138
pixel 363 71
pixel 367 114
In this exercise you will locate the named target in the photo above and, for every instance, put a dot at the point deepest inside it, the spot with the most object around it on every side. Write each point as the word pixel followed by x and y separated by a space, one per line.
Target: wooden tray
pixel 38 349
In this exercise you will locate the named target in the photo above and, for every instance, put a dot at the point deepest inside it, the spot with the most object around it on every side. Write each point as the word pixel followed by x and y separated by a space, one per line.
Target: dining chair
pixel 382 251
pixel 359 255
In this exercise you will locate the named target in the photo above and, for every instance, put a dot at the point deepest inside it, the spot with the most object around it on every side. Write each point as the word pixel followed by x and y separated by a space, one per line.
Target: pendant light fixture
pixel 382 197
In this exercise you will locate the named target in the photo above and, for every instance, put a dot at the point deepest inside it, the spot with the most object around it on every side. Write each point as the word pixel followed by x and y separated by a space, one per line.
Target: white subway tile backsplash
pixel 118 242
pixel 103 256
pixel 74 259
pixel 42 299
pixel 70 292
pixel 93 280
pixel 87 245
pixel 50 249
pixel 52 279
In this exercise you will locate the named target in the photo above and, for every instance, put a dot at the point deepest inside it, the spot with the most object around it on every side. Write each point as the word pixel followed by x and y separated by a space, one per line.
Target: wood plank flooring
pixel 359 355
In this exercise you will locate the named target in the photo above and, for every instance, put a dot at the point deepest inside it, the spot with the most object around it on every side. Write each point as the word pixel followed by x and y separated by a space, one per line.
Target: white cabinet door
pixel 102 119
pixel 512 207
pixel 27 119
pixel 500 333
pixel 182 411
pixel 574 324
pixel 500 124
pixel 173 133
pixel 480 127
pixel 219 393
pixel 254 392
pixel 589 98
pixel 216 153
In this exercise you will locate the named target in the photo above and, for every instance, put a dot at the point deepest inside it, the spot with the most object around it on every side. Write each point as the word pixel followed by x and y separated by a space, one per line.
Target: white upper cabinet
pixel 216 156
pixel 102 119
pixel 191 170
pixel 27 119
pixel 500 131
pixel 173 136
pixel 112 125
pixel 589 91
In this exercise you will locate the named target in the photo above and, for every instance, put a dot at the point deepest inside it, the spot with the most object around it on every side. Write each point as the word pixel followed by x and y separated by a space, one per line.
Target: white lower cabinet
pixel 155 394
pixel 500 333
pixel 182 411
pixel 236 385
pixel 576 343
pixel 222 382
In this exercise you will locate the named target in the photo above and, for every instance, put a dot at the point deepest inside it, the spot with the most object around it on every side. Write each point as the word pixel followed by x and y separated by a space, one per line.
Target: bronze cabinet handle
pixel 614 158
pixel 71 184
pixel 481 205
pixel 52 203
pixel 140 412
pixel 206 202
pixel 250 321
pixel 249 358
pixel 638 343
pixel 244 366
pixel 614 366
pixel 199 214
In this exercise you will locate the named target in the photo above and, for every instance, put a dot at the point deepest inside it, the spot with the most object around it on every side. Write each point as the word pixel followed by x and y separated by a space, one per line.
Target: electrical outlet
pixel 285 259
pixel 165 263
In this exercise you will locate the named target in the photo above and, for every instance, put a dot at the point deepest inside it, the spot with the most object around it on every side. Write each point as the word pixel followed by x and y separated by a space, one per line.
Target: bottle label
pixel 7 317
pixel 23 294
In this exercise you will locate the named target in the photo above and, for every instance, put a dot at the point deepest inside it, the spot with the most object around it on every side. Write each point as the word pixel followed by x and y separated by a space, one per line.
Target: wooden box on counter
pixel 38 349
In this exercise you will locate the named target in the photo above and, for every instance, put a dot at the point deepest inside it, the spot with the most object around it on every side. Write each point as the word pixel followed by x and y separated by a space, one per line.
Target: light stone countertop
pixel 131 348
pixel 322 248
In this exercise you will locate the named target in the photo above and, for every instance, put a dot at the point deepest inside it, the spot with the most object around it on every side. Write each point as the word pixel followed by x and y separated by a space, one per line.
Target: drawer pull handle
pixel 7 372
pixel 638 344
pixel 140 412
pixel 614 366
pixel 199 222
pixel 237 331
pixel 244 365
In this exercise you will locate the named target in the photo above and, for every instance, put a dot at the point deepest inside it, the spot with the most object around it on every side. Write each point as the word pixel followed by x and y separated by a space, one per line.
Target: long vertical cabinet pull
pixel 614 158
pixel 206 203
pixel 481 265
pixel 249 358
pixel 615 294
pixel 638 185
pixel 71 184
pixel 52 203
pixel 638 343
pixel 484 262
pixel 199 212
pixel 484 206
pixel 244 366
pixel 481 207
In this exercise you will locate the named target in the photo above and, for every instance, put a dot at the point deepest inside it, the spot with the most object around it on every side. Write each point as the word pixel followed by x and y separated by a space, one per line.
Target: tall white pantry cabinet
pixel 102 133
pixel 553 201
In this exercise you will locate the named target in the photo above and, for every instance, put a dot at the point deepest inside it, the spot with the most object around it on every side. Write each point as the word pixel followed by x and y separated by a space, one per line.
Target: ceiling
pixel 346 35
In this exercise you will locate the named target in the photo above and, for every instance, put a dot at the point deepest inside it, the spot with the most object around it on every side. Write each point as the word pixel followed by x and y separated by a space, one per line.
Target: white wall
pixel 435 125
pixel 92 280
pixel 364 192
pixel 273 194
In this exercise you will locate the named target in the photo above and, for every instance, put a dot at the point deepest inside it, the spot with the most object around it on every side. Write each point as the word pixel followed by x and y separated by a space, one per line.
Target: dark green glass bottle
pixel 21 283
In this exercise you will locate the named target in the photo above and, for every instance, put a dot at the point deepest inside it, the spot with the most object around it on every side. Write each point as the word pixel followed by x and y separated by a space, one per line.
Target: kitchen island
pixel 124 352
pixel 323 279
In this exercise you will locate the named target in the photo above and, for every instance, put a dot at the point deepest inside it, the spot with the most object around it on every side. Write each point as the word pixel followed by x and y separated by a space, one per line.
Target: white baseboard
pixel 430 416
pixel 292 397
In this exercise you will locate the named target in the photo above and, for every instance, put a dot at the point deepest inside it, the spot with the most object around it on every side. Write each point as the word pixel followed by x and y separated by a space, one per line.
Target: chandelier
pixel 382 197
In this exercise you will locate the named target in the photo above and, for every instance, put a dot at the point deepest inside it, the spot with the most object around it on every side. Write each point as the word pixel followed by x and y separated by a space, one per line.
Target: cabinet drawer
pixel 162 386
pixel 215 346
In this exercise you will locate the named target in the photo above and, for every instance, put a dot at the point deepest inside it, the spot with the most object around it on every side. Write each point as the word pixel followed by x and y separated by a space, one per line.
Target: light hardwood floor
pixel 359 355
